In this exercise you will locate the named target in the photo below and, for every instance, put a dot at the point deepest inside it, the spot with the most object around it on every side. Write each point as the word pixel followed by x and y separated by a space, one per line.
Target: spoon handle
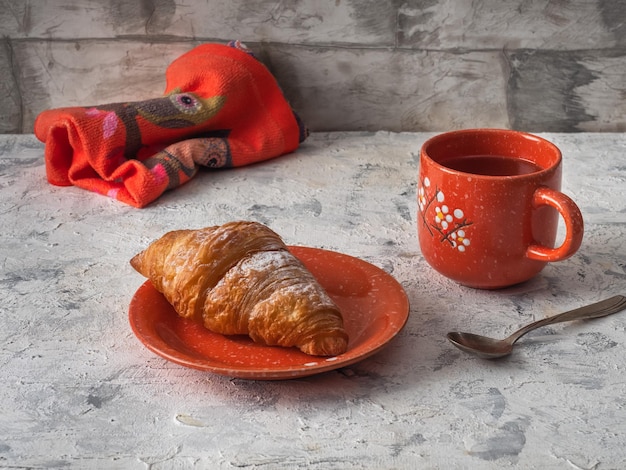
pixel 599 309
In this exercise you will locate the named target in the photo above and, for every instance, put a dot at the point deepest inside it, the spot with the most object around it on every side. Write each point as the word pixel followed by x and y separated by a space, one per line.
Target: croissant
pixel 240 279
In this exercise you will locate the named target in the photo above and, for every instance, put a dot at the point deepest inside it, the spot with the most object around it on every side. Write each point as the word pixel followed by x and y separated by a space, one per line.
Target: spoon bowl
pixel 481 346
pixel 490 348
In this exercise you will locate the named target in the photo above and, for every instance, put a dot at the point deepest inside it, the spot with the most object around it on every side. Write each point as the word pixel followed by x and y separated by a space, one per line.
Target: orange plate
pixel 373 304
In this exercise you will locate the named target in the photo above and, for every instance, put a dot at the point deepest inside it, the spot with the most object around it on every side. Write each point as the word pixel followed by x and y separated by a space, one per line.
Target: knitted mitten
pixel 221 108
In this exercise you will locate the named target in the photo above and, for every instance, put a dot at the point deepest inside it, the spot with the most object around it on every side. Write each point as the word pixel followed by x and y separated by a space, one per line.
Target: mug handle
pixel 574 226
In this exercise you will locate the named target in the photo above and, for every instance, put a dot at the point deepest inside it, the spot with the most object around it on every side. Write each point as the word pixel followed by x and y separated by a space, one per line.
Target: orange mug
pixel 488 206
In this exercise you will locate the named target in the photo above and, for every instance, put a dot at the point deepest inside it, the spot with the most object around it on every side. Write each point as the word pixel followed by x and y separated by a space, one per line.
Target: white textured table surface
pixel 79 390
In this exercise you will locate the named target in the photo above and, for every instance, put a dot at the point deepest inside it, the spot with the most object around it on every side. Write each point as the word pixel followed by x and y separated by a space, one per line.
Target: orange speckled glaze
pixel 373 304
pixel 490 231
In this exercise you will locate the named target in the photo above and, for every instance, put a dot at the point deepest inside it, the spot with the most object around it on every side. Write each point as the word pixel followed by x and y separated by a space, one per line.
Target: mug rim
pixel 463 133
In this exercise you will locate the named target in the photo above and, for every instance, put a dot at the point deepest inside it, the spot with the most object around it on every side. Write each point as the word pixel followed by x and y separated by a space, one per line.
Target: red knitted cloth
pixel 221 108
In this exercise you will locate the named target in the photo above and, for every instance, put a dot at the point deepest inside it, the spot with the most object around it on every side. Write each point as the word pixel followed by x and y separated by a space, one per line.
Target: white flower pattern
pixel 450 224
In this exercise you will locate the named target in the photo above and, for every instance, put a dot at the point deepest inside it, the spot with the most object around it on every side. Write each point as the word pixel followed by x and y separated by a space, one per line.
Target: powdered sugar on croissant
pixel 239 278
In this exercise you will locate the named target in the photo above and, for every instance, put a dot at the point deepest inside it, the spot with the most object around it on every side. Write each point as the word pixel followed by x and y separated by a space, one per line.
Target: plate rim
pixel 317 365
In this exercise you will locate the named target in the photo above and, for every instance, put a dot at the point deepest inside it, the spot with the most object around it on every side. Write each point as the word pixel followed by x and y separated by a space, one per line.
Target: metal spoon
pixel 490 348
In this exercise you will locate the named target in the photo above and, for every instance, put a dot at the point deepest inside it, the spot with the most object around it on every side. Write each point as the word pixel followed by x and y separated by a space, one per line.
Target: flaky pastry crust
pixel 240 278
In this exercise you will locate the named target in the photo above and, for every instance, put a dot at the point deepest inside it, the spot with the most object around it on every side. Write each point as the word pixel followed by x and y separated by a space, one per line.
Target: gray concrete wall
pixel 414 65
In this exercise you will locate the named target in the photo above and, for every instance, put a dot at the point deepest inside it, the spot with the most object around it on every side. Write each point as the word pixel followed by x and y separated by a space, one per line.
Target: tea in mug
pixel 491 165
